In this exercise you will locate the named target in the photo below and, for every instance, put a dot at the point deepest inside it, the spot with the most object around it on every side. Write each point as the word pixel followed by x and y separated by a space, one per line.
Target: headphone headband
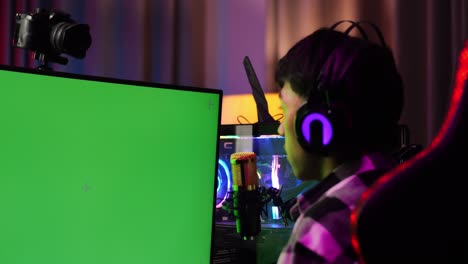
pixel 353 25
pixel 357 24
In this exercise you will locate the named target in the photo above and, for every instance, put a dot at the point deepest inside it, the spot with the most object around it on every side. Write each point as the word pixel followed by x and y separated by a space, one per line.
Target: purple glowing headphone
pixel 320 125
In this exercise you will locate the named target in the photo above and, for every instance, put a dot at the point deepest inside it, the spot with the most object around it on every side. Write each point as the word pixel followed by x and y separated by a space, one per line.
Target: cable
pixel 241 116
pixel 279 118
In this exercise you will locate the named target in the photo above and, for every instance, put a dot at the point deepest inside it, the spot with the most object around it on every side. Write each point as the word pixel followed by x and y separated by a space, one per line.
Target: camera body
pixel 50 33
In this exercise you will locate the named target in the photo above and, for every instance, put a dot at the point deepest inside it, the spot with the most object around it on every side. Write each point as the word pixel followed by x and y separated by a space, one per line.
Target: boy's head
pixel 339 93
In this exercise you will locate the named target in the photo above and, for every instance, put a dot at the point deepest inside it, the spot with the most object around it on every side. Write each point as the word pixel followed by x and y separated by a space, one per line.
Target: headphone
pixel 323 123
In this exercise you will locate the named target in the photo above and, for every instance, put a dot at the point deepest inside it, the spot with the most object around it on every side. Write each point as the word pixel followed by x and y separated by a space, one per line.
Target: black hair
pixel 362 77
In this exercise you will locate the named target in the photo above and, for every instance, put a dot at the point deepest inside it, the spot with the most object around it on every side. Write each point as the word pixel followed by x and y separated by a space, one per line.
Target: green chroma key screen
pixel 97 171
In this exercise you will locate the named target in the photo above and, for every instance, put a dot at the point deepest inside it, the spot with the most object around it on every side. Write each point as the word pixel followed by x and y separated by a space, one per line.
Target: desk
pixel 230 248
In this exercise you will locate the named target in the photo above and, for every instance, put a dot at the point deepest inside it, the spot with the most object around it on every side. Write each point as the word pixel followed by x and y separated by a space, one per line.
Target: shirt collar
pixel 365 163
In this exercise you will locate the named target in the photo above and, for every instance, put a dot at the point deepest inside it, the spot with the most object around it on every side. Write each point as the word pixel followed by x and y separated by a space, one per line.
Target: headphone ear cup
pixel 315 129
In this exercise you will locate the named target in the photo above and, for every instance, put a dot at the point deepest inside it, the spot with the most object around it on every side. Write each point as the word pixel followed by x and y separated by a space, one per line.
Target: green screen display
pixel 105 171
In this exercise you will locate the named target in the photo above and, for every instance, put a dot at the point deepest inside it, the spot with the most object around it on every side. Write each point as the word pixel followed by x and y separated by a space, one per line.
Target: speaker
pixel 315 129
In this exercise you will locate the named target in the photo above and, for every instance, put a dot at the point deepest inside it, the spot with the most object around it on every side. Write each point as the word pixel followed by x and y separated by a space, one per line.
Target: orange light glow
pixel 241 108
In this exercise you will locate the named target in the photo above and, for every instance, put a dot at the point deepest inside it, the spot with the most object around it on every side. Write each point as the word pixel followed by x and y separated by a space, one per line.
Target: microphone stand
pixel 265 196
pixel 248 247
pixel 273 194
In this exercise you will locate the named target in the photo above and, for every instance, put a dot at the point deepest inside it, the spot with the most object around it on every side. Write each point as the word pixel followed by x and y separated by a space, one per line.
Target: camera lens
pixel 70 38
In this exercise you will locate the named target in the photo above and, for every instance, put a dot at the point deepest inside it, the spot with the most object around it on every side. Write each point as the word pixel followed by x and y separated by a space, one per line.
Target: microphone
pixel 246 197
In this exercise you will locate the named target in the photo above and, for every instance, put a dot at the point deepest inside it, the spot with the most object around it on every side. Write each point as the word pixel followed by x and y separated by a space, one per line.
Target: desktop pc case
pixel 273 170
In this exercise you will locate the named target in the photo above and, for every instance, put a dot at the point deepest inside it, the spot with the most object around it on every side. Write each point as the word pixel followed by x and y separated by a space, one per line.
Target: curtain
pixel 194 43
pixel 202 43
pixel 425 36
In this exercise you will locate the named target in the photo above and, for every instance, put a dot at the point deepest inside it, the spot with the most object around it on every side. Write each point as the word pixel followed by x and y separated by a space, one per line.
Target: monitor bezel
pixel 111 80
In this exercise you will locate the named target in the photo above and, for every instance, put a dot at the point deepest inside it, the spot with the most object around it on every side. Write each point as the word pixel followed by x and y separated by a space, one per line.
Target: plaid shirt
pixel 322 232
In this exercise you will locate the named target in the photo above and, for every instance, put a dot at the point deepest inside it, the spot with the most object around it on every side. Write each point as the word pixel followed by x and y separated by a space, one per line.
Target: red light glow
pixel 460 77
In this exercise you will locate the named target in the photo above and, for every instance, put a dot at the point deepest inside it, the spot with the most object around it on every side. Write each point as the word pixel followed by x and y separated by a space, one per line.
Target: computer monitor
pixel 99 170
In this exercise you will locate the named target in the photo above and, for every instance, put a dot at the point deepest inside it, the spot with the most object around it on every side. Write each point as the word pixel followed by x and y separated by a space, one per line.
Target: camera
pixel 49 34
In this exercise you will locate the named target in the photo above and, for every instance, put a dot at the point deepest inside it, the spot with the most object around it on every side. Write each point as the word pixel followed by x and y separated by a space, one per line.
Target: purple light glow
pixel 225 167
pixel 326 126
pixel 275 183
